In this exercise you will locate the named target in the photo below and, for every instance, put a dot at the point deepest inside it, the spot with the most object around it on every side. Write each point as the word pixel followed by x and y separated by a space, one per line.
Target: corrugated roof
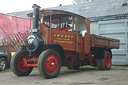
pixel 97 9
pixel 93 9
pixel 22 14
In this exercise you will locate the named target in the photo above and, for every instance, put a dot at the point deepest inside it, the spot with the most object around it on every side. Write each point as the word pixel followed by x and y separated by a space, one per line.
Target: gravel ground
pixel 86 76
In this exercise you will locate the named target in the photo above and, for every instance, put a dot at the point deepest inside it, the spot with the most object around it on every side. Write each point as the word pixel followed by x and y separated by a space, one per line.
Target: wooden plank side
pixel 114 44
pixel 99 41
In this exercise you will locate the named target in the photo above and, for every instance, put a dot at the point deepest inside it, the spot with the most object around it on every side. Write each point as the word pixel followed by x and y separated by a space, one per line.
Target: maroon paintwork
pixel 76 48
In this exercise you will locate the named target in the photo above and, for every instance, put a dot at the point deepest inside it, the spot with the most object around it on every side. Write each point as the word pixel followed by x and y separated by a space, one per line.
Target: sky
pixel 8 6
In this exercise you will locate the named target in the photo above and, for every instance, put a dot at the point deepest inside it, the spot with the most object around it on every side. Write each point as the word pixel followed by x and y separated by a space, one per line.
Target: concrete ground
pixel 84 76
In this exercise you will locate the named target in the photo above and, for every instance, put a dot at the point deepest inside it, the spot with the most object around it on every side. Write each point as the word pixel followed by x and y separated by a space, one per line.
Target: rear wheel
pixel 17 64
pixel 105 63
pixel 98 63
pixel 49 63
pixel 3 64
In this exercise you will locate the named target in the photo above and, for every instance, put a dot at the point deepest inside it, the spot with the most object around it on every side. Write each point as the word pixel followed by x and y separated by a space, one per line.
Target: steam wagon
pixel 61 38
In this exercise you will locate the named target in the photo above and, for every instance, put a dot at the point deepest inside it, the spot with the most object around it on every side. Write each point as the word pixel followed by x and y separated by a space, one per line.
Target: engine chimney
pixel 35 17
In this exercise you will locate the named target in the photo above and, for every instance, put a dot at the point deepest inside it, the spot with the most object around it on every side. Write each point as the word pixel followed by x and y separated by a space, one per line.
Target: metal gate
pixel 117 29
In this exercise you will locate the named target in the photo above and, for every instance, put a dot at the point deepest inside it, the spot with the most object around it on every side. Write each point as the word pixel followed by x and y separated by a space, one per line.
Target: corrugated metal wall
pixel 94 28
pixel 117 29
pixel 13 25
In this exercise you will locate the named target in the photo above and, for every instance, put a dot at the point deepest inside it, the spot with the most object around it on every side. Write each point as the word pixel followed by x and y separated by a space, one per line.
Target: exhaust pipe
pixel 35 18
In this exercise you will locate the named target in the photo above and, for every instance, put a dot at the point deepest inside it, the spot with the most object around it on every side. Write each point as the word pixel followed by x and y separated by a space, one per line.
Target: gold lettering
pixel 59 38
pixel 66 39
pixel 55 41
pixel 67 42
pixel 68 36
pixel 54 35
pixel 71 36
pixel 58 35
pixel 60 41
pixel 62 35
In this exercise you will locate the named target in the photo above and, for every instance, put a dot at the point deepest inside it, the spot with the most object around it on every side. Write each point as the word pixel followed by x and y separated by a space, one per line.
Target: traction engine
pixel 61 38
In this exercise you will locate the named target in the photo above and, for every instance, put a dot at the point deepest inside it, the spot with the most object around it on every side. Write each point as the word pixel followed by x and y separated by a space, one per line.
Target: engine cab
pixel 64 28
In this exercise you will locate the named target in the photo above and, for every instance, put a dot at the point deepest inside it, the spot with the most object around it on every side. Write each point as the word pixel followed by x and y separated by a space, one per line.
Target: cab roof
pixel 55 12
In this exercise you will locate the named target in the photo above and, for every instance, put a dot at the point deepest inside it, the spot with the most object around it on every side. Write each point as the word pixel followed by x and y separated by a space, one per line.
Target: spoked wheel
pixel 17 64
pixel 49 63
pixel 105 63
pixel 3 64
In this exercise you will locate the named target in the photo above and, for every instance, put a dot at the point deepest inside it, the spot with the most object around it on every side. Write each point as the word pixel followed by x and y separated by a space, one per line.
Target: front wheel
pixel 17 64
pixel 49 63
pixel 105 63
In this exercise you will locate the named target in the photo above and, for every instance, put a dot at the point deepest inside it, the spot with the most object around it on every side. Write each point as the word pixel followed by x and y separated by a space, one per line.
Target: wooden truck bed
pixel 99 41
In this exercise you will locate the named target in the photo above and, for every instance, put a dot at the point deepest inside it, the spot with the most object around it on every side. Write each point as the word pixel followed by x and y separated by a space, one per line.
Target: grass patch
pixel 87 66
pixel 112 67
pixel 35 68
pixel 63 67
pixel 119 67
pixel 7 70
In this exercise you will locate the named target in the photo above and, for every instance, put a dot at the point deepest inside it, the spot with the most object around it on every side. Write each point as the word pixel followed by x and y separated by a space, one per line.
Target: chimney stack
pixel 35 16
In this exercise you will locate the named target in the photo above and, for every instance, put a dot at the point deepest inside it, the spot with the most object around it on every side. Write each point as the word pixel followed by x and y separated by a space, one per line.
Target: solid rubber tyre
pixel 98 63
pixel 107 58
pixel 3 63
pixel 105 63
pixel 17 66
pixel 46 59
